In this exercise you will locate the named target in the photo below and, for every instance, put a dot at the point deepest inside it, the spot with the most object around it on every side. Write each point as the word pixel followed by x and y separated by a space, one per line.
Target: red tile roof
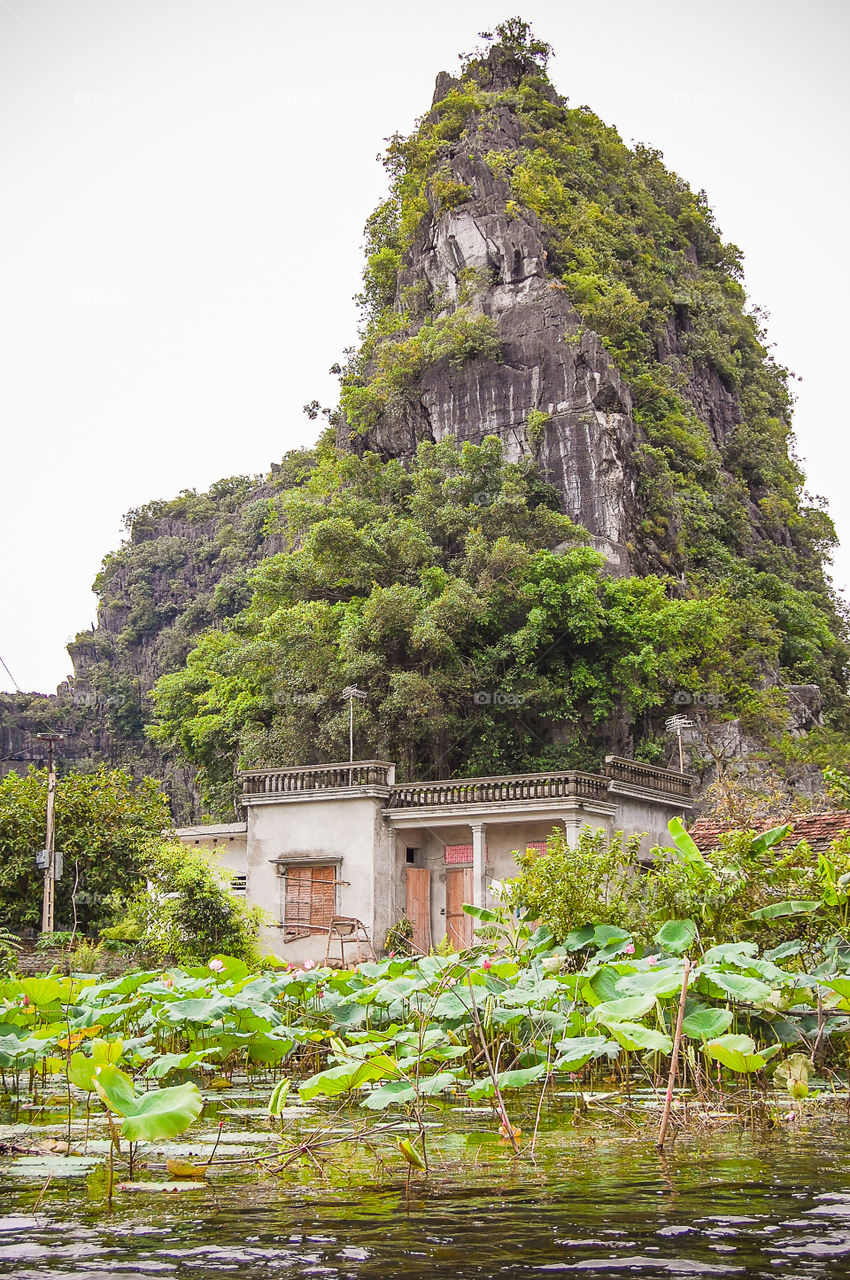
pixel 817 829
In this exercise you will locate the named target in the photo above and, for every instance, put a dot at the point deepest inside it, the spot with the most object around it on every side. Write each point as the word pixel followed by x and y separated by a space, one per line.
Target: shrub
pixel 85 956
pixel 566 887
pixel 535 423
pixel 10 945
pixel 447 192
pixel 187 912
pixel 747 875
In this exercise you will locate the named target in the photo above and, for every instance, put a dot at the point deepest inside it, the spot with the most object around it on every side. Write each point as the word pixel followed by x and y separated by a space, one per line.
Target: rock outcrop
pixel 555 395
pixel 561 390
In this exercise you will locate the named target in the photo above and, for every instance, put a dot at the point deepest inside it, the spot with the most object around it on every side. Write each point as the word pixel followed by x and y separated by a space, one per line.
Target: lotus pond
pixel 451 1115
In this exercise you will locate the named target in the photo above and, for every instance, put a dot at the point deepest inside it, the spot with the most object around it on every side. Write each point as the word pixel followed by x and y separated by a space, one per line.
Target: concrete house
pixel 325 842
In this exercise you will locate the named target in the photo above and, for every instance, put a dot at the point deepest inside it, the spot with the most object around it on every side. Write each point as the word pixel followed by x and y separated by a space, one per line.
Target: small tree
pixel 568 887
pixel 186 912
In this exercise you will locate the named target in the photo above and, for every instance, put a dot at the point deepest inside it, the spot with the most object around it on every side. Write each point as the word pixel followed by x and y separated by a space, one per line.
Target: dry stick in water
pixel 500 1102
pixel 215 1145
pixel 674 1060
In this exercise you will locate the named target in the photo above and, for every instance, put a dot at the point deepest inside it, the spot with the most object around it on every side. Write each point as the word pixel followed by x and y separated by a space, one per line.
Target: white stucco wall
pixel 635 815
pixel 349 828
pixel 227 844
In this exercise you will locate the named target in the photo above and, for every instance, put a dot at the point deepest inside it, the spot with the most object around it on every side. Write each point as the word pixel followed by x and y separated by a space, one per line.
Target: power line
pixel 11 677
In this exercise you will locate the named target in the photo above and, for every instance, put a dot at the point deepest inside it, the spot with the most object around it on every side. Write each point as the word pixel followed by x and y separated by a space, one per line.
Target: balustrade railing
pixel 557 785
pixel 527 786
pixel 317 777
pixel 648 776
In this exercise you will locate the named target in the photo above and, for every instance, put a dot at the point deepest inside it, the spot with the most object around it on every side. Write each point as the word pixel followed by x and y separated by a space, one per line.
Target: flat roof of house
pixel 227 829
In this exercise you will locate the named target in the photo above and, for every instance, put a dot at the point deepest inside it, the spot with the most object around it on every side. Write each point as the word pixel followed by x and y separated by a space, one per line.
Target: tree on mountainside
pixel 487 635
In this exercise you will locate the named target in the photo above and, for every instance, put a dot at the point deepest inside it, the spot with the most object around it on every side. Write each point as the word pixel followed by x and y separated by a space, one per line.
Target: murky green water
pixel 595 1202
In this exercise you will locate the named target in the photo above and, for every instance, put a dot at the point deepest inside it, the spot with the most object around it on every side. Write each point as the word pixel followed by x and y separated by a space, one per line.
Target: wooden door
pixel 418 907
pixel 458 891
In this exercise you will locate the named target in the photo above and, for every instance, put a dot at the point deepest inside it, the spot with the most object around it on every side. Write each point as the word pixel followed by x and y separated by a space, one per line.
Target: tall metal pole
pixel 49 896
pixel 677 724
pixel 350 692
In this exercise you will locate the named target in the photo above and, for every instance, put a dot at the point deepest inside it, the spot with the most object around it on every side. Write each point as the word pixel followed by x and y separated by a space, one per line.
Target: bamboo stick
pixel 674 1059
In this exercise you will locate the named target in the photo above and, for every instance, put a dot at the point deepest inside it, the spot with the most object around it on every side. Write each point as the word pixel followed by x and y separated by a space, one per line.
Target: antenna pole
pixel 350 692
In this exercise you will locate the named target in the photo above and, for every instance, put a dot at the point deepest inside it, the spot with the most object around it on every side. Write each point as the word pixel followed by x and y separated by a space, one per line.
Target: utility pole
pixel 676 724
pixel 50 835
pixel 350 693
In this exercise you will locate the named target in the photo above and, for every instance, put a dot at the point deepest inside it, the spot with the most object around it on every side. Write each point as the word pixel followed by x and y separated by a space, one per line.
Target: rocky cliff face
pixel 626 382
pixel 555 393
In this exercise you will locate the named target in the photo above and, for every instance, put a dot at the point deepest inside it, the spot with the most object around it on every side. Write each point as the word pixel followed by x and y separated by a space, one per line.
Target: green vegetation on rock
pixel 640 257
pixel 439 589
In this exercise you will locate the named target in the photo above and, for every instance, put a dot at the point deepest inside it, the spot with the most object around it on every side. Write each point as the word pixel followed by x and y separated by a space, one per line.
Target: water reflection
pixel 735 1206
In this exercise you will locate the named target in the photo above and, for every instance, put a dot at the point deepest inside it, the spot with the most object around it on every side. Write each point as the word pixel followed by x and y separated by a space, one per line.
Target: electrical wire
pixel 11 677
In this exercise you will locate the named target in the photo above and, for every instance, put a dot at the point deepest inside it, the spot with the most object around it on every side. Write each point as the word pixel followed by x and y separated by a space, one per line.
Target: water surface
pixel 593 1204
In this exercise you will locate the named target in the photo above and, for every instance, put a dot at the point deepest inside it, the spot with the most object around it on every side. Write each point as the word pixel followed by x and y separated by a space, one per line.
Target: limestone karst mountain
pixel 529 277
pixel 533 277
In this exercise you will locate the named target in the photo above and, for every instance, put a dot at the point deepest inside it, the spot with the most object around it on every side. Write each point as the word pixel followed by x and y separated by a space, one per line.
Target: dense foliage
pixel 105 826
pixel 401 1032
pixel 185 912
pixel 486 634
pixel 763 889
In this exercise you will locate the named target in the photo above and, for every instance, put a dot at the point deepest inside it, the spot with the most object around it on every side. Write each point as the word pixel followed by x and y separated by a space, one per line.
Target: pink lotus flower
pixel 652 959
pixel 486 963
pixel 392 955
pixel 216 965
pixel 309 964
pixel 629 948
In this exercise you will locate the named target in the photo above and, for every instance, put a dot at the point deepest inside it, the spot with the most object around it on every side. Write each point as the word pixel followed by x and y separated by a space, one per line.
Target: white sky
pixel 186 183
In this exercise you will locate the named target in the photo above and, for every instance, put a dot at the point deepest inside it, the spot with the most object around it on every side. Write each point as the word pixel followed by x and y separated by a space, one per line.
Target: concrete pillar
pixel 479 834
pixel 572 826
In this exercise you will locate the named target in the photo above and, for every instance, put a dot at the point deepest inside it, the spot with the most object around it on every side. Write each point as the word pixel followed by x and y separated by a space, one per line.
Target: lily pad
pixel 40 1168
pixel 157 1188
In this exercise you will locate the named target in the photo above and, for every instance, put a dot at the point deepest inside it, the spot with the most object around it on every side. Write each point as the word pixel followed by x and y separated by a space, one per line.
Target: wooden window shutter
pixel 322 896
pixel 310 900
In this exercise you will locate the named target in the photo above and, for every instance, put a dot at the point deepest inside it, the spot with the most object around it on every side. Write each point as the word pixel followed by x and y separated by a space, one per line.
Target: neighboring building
pixel 344 840
pixel 817 829
pixel 228 842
